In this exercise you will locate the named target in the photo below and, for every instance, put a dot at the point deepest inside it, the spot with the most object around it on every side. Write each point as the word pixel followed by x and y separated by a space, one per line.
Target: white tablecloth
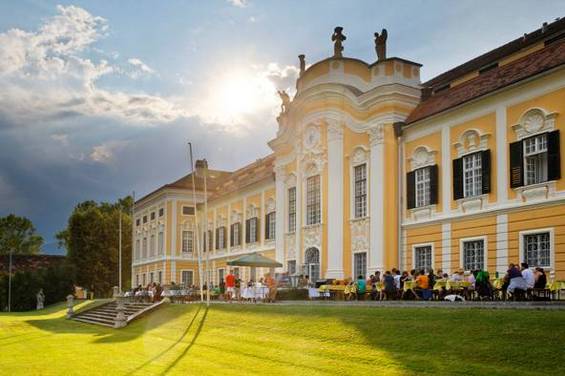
pixel 254 292
pixel 315 293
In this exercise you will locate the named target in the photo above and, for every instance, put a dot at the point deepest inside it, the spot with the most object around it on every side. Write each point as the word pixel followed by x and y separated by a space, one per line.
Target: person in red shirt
pixel 230 285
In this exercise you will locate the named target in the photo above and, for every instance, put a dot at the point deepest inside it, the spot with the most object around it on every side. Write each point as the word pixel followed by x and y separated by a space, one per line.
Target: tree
pixel 91 240
pixel 19 235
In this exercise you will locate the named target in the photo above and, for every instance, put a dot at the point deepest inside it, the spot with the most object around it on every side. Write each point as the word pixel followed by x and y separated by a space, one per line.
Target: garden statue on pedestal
pixel 40 296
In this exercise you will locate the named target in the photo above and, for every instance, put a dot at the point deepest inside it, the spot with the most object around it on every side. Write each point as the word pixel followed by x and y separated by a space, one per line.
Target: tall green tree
pixel 92 240
pixel 19 235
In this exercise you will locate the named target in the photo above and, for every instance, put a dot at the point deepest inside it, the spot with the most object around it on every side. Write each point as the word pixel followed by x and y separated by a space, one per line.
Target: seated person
pixel 540 279
pixel 483 285
pixel 528 275
pixel 422 285
pixel 361 287
pixel 516 281
pixel 389 285
pixel 457 276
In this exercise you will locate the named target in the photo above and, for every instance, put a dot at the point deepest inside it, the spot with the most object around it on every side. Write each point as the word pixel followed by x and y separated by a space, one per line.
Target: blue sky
pixel 99 98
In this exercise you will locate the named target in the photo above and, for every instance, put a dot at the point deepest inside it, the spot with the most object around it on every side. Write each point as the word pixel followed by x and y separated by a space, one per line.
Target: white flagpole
pixel 198 248
pixel 120 252
pixel 205 165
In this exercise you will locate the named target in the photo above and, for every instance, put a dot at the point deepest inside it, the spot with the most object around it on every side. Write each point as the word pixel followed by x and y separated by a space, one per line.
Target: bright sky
pixel 98 98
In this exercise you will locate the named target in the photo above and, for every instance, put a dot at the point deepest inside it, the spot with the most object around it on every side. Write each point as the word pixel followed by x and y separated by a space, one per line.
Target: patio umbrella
pixel 255 260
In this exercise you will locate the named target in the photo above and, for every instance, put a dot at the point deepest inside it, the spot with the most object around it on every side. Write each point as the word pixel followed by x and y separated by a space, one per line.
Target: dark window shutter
pixel 217 238
pixel 257 233
pixel 204 241
pixel 231 235
pixel 267 218
pixel 485 163
pixel 457 178
pixel 239 233
pixel 433 184
pixel 210 240
pixel 411 190
pixel 553 156
pixel 516 164
pixel 247 232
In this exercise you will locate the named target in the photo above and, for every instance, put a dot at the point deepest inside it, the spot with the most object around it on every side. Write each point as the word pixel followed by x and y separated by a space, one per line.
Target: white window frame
pixel 522 245
pixel 476 171
pixel 295 266
pixel 189 241
pixel 485 250
pixel 220 280
pixel 152 243
pixel 433 258
pixel 253 230
pixel 272 230
pixel 424 182
pixel 159 276
pixel 291 229
pixel 144 248
pixel 236 234
pixel 161 243
pixel 221 237
pixel 306 206
pixel 539 153
pixel 186 270
pixel 137 249
pixel 365 209
pixel 187 206
pixel 354 277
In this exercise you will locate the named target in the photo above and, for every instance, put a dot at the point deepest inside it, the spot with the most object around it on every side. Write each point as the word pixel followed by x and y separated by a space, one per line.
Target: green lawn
pixel 288 340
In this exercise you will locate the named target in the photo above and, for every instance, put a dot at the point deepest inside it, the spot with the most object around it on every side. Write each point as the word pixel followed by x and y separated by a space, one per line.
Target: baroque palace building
pixel 372 169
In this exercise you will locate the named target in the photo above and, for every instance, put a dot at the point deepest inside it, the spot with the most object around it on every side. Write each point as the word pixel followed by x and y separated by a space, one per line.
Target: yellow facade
pixel 372 170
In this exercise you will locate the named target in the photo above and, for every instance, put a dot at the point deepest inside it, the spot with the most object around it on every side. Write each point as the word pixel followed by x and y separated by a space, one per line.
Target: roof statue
pixel 302 59
pixel 380 44
pixel 285 100
pixel 338 38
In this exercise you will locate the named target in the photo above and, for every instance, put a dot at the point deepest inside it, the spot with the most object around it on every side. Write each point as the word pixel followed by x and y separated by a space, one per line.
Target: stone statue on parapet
pixel 302 59
pixel 338 38
pixel 285 98
pixel 380 44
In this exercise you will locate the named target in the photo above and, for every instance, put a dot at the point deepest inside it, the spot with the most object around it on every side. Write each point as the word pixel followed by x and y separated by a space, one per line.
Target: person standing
pixel 272 285
pixel 230 285
pixel 361 287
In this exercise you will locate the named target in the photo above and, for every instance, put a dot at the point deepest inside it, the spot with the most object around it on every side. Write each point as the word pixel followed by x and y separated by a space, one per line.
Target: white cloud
pixel 238 3
pixel 43 74
pixel 61 137
pixel 105 152
pixel 140 68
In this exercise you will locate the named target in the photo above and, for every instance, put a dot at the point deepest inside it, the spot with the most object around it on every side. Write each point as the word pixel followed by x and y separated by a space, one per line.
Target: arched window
pixel 312 263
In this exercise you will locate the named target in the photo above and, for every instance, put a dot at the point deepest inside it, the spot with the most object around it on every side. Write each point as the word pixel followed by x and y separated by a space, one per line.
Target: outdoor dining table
pixel 314 293
pixel 255 292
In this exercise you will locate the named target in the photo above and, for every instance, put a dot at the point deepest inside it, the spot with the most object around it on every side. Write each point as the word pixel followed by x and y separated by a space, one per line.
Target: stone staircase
pixel 105 314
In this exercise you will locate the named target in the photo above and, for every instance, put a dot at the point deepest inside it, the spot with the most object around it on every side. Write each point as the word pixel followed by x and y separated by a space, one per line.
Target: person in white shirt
pixel 528 275
pixel 397 279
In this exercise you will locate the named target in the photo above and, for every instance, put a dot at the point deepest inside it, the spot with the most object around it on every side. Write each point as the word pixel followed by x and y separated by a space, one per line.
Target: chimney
pixel 426 92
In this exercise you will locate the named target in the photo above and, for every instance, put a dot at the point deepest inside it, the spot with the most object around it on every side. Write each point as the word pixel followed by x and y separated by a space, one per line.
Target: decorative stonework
pixel 235 216
pixel 472 204
pixel 290 241
pixel 270 205
pixel 376 135
pixel 536 192
pixel 312 236
pixel 425 212
pixel 360 155
pixel 290 180
pixel 335 131
pixel 252 211
pixel 311 139
pixel 535 120
pixel 471 140
pixel 421 157
pixel 360 234
pixel 221 220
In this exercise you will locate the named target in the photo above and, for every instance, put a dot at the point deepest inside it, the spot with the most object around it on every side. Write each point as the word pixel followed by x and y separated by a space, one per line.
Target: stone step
pixel 95 316
pixel 91 321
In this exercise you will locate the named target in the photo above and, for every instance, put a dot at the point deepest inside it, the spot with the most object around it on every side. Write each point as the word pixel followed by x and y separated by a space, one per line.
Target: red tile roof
pixel 530 65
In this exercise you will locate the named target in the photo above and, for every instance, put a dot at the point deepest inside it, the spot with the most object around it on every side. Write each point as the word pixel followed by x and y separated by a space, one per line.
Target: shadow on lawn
pixel 442 341
pixel 61 325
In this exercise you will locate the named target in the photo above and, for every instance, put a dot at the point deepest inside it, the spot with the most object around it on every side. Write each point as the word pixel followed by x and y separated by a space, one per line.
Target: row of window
pixel 151 216
pixel 145 278
pixel 149 247
pixel 533 160
pixel 537 252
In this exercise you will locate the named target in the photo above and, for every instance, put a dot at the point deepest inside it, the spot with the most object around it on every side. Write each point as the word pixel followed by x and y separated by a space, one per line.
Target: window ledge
pixel 359 219
pixel 471 204
pixel 536 192
pixel 315 225
pixel 422 212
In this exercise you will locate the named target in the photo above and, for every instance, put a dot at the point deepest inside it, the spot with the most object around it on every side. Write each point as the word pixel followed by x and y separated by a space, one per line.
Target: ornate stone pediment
pixel 359 156
pixel 421 157
pixel 270 205
pixel 235 216
pixel 471 140
pixel 252 211
pixel 535 120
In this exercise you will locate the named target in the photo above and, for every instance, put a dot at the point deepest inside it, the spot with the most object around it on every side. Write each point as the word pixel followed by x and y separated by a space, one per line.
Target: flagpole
pixel 205 166
pixel 10 282
pixel 132 235
pixel 198 248
pixel 120 251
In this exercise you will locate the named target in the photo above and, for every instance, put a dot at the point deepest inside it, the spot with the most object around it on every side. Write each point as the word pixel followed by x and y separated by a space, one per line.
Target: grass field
pixel 288 340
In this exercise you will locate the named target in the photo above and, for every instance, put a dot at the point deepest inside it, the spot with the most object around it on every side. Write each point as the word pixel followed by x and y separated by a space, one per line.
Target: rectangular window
pixel 188 210
pixel 210 240
pixel 252 230
pixel 360 264
pixel 292 209
pixel 535 159
pixel 360 191
pixel 137 249
pixel 270 226
pixel 137 222
pixel 474 255
pixel 220 276
pixel 153 216
pixel 235 235
pixel 472 175
pixel 160 277
pixel 143 278
pixel 161 212
pixel 161 246
pixel 221 238
pixel 144 219
pixel 152 246
pixel 291 267
pixel 187 241
pixel 537 250
pixel 423 191
pixel 187 277
pixel 151 275
pixel 313 213
pixel 423 258
pixel 144 248
pixel 137 279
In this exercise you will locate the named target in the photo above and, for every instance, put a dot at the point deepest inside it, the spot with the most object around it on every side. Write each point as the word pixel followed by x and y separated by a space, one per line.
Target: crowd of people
pixel 517 283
